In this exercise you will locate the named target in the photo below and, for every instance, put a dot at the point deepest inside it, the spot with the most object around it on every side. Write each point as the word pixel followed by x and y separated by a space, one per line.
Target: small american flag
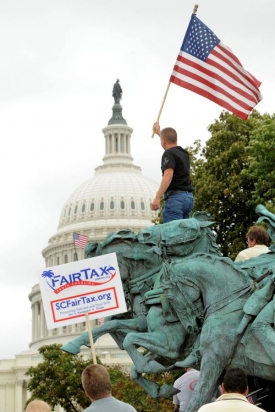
pixel 80 240
pixel 207 67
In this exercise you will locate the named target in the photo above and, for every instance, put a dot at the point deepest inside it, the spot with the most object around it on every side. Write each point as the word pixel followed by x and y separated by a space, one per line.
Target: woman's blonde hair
pixel 38 406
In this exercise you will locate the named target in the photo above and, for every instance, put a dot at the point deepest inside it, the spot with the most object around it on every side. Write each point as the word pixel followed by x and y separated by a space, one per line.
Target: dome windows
pixel 101 205
pixel 118 193
pixel 66 259
pixel 112 204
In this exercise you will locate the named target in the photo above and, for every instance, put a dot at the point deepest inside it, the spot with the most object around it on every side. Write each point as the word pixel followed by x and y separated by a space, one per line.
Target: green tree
pixel 261 159
pixel 158 218
pixel 221 186
pixel 57 381
pixel 129 392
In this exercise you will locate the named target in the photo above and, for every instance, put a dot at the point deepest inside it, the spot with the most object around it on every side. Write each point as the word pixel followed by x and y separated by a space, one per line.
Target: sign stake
pixel 88 324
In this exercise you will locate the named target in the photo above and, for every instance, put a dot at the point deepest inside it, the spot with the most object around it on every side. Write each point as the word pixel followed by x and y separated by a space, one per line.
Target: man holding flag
pixel 207 67
pixel 176 187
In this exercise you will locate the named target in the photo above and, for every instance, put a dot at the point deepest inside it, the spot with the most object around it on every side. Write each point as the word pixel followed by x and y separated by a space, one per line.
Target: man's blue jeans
pixel 178 206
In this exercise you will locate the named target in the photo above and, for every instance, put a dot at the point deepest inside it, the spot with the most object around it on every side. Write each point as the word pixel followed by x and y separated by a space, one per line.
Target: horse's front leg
pixel 150 387
pixel 112 326
pixel 153 389
pixel 149 341
pixel 210 371
pixel 121 325
pixel 217 347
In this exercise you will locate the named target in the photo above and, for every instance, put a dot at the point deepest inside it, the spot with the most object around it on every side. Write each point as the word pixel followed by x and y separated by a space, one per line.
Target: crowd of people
pixel 231 396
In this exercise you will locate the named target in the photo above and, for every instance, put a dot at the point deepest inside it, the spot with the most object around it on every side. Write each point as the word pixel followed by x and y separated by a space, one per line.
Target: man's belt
pixel 173 192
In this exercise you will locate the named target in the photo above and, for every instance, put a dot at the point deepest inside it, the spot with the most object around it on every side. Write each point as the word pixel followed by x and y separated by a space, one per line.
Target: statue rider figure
pixel 117 92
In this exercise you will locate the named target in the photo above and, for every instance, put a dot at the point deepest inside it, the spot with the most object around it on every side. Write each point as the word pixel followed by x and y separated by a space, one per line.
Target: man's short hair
pixel 235 380
pixel 259 234
pixel 169 134
pixel 38 406
pixel 96 381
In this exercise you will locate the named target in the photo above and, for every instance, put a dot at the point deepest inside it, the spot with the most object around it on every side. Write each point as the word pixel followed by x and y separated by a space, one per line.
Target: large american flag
pixel 80 240
pixel 208 67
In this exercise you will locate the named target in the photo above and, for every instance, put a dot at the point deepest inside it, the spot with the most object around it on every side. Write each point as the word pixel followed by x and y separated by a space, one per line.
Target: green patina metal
pixel 187 304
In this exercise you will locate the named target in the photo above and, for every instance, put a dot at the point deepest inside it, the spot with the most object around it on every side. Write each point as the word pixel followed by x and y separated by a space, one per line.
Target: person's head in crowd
pixel 38 406
pixel 235 381
pixel 96 382
pixel 257 235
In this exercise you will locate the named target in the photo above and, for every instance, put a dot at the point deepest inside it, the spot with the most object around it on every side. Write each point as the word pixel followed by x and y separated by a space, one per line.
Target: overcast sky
pixel 59 61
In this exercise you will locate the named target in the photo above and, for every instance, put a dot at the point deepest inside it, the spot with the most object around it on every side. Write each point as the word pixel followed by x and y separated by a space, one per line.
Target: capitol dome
pixel 120 198
pixel 117 197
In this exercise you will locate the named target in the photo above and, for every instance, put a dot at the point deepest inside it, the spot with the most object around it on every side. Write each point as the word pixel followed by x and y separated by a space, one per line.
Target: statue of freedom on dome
pixel 117 92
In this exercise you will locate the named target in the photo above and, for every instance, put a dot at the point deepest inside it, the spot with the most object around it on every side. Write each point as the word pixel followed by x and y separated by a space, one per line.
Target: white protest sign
pixel 90 286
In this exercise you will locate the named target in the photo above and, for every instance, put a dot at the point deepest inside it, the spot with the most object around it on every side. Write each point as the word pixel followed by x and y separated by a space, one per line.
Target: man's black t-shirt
pixel 178 159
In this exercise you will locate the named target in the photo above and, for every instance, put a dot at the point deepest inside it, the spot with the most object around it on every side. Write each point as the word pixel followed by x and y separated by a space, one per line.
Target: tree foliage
pixel 158 219
pixel 261 162
pixel 233 173
pixel 57 381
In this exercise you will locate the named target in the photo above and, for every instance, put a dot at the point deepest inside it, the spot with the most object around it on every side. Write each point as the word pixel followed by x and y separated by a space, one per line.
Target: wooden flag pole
pixel 88 323
pixel 162 104
pixel 75 248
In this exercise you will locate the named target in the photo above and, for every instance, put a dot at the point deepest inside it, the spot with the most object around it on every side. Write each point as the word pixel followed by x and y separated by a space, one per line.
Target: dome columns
pixel 117 144
pixel 39 329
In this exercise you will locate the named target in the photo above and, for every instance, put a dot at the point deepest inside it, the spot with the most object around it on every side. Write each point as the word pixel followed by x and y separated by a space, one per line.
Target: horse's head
pixel 93 249
pixel 124 243
pixel 121 236
pixel 182 237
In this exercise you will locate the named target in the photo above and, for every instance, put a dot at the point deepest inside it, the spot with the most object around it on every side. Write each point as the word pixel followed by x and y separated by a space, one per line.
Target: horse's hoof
pixel 153 367
pixel 191 360
pixel 70 348
pixel 166 391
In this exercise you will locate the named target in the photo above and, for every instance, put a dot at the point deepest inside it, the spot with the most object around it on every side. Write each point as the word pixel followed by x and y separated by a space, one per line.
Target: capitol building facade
pixel 117 197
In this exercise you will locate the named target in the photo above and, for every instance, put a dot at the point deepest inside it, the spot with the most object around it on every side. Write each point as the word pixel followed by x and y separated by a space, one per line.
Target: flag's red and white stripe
pixel 80 240
pixel 221 78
